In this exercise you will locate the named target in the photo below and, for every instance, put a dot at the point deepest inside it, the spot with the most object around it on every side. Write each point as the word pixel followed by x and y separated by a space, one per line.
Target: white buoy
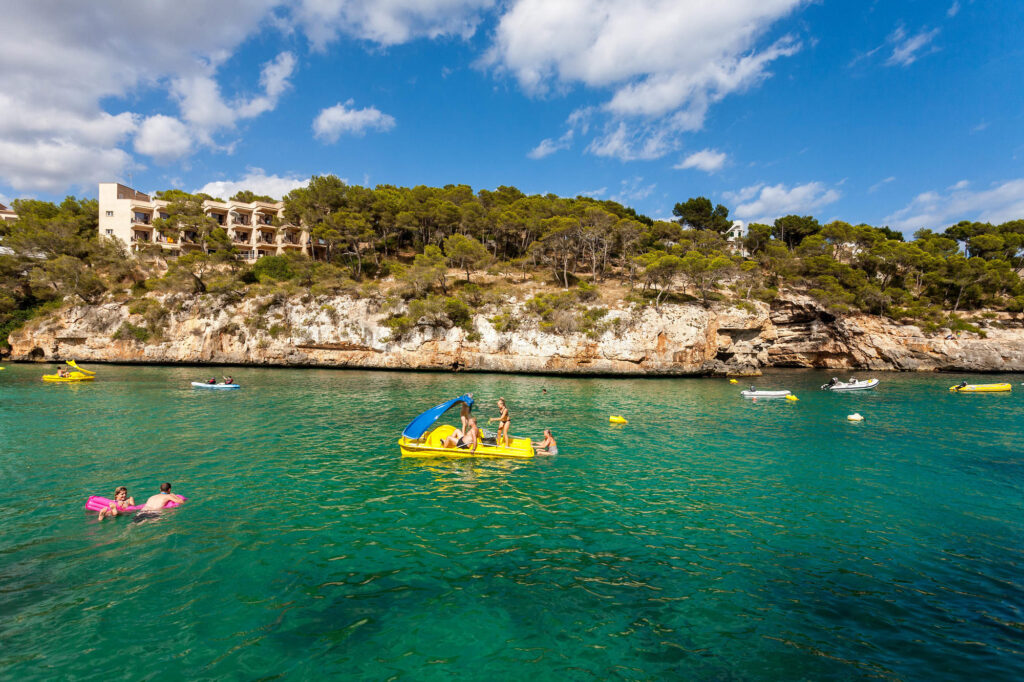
pixel 855 417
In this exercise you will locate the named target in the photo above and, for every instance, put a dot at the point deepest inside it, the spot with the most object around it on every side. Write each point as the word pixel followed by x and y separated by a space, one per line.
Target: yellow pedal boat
pixel 981 388
pixel 78 375
pixel 422 439
pixel 74 376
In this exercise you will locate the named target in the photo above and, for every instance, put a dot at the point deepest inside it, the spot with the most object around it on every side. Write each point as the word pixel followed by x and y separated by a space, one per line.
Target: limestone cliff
pixel 672 340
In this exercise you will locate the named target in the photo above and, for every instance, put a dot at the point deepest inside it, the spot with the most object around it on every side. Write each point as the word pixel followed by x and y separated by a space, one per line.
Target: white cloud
pixel 257 181
pixel 936 210
pixel 388 22
pixel 340 119
pixel 164 138
pixel 693 53
pixel 599 192
pixel 549 146
pixel 878 185
pixel 707 160
pixel 954 9
pixel 63 68
pixel 54 165
pixel 633 189
pixel 908 49
pixel 203 106
pixel 765 203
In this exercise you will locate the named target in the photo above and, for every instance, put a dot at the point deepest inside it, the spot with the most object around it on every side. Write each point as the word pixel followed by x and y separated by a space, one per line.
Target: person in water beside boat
pixel 464 439
pixel 504 422
pixel 120 504
pixel 548 446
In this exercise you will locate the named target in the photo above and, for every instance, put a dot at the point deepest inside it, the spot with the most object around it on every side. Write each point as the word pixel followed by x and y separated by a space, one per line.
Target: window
pixel 110 214
pixel 110 232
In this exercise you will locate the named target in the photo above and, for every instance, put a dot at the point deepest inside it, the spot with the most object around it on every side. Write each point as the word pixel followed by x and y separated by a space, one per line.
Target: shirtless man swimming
pixel 157 502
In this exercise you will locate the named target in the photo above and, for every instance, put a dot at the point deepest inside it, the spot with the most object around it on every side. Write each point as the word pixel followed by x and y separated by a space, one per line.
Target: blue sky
pixel 906 112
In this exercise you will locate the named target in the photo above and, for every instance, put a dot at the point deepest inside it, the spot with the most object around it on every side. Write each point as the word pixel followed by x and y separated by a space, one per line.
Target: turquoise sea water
pixel 711 538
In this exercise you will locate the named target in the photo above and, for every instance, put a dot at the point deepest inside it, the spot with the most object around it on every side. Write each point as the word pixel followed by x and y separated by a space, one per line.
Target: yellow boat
pixel 78 375
pixel 422 439
pixel 74 376
pixel 981 388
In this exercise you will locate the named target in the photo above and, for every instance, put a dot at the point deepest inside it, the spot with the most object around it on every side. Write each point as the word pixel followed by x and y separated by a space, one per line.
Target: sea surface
pixel 711 538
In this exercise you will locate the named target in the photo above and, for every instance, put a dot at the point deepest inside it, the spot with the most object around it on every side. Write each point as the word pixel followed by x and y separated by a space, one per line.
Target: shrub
pixel 506 321
pixel 128 331
pixel 273 268
pixel 400 326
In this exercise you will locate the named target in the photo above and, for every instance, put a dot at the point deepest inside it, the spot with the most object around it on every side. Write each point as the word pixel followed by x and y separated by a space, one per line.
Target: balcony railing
pixel 140 237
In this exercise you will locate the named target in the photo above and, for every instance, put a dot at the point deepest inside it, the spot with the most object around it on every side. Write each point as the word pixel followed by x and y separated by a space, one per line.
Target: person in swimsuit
pixel 120 504
pixel 461 440
pixel 63 373
pixel 465 416
pixel 155 504
pixel 548 446
pixel 504 421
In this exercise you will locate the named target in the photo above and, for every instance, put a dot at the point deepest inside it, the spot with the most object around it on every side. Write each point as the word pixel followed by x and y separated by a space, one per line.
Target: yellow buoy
pixel 733 381
pixel 855 417
pixel 792 397
pixel 617 420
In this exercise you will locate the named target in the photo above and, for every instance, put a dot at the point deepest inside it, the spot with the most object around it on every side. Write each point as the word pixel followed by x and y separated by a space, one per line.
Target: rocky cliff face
pixel 675 340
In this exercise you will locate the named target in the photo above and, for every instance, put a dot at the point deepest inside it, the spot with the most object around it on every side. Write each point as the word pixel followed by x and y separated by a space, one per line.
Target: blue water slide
pixel 418 426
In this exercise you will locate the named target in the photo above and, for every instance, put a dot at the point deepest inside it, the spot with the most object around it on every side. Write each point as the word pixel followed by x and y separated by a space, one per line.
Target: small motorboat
pixel 851 385
pixel 964 387
pixel 201 384
pixel 78 375
pixel 760 393
pixel 422 439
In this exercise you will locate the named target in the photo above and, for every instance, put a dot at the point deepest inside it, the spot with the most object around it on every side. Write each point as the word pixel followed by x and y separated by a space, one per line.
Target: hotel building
pixel 7 214
pixel 256 229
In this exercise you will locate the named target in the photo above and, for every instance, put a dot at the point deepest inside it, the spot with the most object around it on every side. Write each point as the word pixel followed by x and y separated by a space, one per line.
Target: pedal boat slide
pixel 422 439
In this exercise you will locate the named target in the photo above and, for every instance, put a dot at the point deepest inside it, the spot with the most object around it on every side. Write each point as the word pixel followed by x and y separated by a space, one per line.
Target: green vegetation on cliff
pixel 436 255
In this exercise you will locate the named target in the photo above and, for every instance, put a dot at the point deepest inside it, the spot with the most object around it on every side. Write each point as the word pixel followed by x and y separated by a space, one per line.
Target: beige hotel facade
pixel 256 229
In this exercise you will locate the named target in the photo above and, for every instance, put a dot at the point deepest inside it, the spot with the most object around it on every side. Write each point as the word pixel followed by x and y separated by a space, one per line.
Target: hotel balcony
pixel 141 236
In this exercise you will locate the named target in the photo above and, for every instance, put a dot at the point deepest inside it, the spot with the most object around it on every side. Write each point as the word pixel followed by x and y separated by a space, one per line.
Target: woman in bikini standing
pixel 504 421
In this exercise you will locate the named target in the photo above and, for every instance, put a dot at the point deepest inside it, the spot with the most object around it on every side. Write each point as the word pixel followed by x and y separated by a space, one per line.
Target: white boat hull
pixel 852 386
pixel 764 394
pixel 199 384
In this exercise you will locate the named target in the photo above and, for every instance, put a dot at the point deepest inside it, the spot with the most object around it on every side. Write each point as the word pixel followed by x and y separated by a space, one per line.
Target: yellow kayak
pixel 75 376
pixel 981 388
pixel 430 445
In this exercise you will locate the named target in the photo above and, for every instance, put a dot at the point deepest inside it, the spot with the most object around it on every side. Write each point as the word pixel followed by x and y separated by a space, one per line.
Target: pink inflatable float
pixel 97 503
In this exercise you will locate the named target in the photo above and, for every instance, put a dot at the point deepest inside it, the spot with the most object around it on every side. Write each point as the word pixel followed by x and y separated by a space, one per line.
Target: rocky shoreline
pixel 673 340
